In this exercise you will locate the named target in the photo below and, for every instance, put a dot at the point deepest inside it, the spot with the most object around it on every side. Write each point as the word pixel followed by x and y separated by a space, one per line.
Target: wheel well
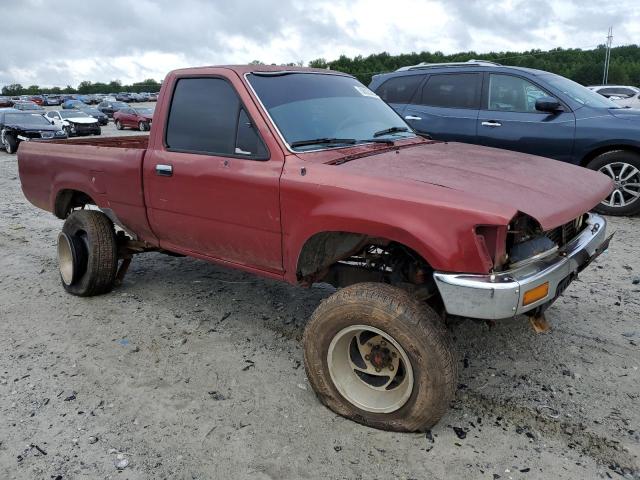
pixel 67 200
pixel 343 258
pixel 608 148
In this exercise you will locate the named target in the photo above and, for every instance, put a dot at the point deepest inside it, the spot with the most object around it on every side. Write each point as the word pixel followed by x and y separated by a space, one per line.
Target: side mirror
pixel 548 104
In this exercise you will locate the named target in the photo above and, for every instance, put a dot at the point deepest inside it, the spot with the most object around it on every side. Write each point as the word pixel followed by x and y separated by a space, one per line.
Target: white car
pixel 623 95
pixel 74 122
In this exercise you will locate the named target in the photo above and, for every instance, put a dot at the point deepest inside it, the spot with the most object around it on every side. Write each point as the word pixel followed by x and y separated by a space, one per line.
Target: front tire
pixel 87 254
pixel 143 126
pixel 10 144
pixel 623 167
pixel 119 125
pixel 376 355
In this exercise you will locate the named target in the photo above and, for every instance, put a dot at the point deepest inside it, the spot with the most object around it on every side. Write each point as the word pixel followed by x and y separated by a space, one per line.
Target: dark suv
pixel 522 109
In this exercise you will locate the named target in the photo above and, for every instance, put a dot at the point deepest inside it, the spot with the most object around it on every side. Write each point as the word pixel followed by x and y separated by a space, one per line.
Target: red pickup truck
pixel 306 176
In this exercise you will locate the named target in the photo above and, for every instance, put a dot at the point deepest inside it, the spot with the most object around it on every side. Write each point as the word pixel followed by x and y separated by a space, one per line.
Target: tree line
pixel 85 87
pixel 582 66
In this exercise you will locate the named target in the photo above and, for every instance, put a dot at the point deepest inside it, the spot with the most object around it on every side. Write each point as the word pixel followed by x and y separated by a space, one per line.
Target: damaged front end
pixel 530 267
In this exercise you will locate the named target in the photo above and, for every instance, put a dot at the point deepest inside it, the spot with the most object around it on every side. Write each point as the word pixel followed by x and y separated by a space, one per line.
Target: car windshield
pixel 29 106
pixel 334 109
pixel 578 93
pixel 25 119
pixel 72 114
pixel 119 104
pixel 144 111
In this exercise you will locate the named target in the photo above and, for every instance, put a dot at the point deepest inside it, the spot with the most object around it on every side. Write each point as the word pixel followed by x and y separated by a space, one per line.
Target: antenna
pixel 607 57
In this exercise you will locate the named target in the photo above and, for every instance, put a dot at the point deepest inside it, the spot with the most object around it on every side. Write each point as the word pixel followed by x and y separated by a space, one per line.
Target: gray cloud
pixel 72 40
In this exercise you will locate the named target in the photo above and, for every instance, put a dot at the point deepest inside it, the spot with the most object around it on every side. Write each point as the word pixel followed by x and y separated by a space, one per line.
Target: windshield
pixel 578 93
pixel 119 104
pixel 144 111
pixel 29 106
pixel 72 114
pixel 26 119
pixel 307 106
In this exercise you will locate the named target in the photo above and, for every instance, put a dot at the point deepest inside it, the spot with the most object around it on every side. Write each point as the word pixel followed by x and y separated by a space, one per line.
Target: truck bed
pixel 137 141
pixel 108 170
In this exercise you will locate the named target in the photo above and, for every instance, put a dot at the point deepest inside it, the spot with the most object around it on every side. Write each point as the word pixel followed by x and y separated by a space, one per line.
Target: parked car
pixel 17 126
pixel 625 96
pixel 27 106
pixel 134 117
pixel 122 97
pixel 153 97
pixel 5 102
pixel 52 100
pixel 95 113
pixel 306 176
pixel 37 99
pixel 74 122
pixel 525 110
pixel 73 104
pixel 109 107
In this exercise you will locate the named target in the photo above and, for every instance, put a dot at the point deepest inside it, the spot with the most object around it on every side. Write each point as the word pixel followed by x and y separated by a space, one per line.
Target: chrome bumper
pixel 499 296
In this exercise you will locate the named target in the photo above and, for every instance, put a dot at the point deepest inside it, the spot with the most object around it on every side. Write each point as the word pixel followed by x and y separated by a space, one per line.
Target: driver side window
pixel 513 94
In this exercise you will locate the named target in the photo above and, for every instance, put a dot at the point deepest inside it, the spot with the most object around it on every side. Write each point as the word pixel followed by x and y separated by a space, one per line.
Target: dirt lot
pixel 191 371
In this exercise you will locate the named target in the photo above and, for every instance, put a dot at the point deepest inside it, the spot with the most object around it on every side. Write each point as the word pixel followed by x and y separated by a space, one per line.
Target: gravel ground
pixel 191 371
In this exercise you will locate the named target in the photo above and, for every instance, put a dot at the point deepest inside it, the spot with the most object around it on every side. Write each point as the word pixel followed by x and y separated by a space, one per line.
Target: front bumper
pixel 501 295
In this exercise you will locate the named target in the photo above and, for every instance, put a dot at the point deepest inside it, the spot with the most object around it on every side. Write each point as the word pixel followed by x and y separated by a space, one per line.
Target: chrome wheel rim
pixel 370 369
pixel 627 184
pixel 65 259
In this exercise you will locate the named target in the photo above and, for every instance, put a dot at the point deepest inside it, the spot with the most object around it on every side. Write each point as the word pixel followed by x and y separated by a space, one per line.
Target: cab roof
pixel 244 69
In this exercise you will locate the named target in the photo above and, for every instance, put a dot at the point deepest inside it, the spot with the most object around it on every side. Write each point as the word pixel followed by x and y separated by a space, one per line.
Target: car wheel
pixel 376 355
pixel 67 130
pixel 623 167
pixel 87 254
pixel 119 125
pixel 98 131
pixel 10 144
pixel 143 126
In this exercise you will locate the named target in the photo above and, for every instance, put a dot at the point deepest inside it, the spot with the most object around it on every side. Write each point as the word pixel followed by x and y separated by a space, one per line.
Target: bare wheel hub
pixel 370 369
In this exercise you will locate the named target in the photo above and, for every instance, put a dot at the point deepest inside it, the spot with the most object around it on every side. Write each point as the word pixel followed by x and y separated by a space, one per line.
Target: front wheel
pixel 143 126
pixel 10 144
pixel 376 355
pixel 119 125
pixel 623 167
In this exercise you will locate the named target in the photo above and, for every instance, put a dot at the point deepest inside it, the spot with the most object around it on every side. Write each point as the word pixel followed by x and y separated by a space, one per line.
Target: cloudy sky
pixel 64 42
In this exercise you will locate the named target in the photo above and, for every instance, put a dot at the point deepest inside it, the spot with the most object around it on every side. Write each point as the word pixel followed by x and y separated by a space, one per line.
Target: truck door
pixel 509 119
pixel 447 107
pixel 212 187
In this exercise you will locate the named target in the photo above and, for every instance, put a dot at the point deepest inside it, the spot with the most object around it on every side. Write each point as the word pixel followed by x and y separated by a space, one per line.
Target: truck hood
pixel 550 191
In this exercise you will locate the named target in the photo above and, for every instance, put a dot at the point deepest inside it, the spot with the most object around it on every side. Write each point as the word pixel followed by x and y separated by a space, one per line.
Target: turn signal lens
pixel 535 294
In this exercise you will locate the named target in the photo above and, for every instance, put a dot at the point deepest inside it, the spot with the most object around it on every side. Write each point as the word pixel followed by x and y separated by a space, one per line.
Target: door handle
pixel 164 170
pixel 412 117
pixel 491 123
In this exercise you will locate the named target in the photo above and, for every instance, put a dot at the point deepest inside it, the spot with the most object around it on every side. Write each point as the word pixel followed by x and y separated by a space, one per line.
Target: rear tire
pixel 87 254
pixel 119 125
pixel 143 126
pixel 380 327
pixel 623 167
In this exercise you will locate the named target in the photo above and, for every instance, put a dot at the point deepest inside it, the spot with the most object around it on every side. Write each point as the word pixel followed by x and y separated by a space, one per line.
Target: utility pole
pixel 607 57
